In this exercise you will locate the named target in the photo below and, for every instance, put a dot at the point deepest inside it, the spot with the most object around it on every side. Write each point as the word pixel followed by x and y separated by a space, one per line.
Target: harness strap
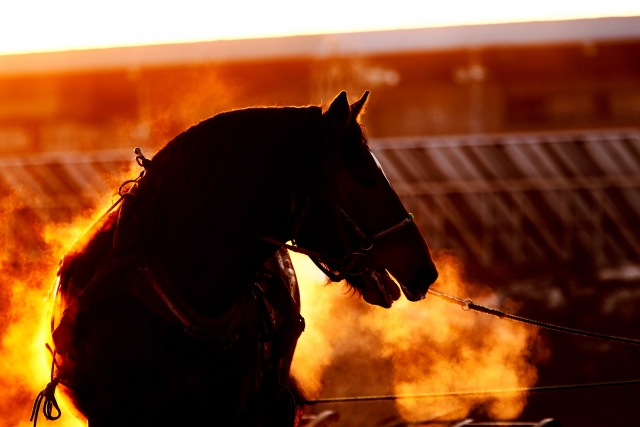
pixel 95 292
pixel 159 294
pixel 273 300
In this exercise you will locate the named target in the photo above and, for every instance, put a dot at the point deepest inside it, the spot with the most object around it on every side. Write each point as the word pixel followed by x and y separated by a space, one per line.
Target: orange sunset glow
pixel 38 25
pixel 511 130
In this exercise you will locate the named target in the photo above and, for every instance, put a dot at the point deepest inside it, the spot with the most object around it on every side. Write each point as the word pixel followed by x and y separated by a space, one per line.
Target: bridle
pixel 355 262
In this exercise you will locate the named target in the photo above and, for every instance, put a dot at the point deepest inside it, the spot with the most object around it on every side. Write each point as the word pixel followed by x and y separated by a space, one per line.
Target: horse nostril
pixel 430 274
pixel 425 277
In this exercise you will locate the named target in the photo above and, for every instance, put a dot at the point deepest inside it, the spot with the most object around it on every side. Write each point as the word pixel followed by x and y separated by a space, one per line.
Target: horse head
pixel 355 218
pixel 221 184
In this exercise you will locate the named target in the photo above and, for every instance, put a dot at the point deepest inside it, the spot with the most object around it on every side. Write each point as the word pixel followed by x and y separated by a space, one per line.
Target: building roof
pixel 524 198
pixel 325 45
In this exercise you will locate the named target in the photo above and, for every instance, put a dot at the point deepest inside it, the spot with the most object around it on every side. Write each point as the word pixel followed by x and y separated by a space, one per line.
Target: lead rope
pixel 468 305
pixel 48 395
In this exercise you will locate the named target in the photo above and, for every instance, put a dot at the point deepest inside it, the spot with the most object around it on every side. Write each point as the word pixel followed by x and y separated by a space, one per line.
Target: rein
pixel 468 305
pixel 351 259
pixel 366 242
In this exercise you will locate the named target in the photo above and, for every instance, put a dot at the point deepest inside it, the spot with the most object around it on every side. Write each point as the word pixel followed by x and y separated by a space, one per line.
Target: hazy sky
pixel 47 25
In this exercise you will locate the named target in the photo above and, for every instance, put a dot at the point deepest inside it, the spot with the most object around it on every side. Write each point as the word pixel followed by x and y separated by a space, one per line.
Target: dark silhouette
pixel 175 310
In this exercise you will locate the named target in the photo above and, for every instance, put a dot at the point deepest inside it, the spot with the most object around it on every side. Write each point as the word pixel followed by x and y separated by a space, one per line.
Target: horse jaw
pixel 378 288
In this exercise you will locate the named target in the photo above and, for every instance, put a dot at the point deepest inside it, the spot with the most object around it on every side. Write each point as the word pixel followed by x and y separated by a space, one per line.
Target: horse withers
pixel 181 306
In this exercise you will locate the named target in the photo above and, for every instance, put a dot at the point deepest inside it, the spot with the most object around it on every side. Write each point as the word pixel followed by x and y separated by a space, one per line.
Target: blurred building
pixel 515 144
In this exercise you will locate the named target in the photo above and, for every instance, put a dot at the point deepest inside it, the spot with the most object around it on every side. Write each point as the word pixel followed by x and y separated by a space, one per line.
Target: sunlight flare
pixel 38 25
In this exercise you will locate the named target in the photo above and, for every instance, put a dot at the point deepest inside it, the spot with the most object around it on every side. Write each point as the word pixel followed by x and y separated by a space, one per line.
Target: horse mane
pixel 249 160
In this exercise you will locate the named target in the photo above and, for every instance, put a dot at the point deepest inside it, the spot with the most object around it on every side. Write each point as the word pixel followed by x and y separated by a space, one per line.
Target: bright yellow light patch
pixel 43 25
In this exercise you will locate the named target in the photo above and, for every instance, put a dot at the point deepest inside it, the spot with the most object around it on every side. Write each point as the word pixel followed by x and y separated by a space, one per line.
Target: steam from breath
pixel 431 346
pixel 27 275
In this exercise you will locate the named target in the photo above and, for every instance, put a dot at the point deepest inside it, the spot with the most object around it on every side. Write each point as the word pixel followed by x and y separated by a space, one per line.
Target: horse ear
pixel 339 112
pixel 358 106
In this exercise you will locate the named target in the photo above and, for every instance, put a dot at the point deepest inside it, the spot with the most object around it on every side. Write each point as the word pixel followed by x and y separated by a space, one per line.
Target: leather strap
pixel 158 293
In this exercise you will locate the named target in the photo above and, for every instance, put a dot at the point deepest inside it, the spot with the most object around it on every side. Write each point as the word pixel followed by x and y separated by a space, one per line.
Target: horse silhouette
pixel 181 307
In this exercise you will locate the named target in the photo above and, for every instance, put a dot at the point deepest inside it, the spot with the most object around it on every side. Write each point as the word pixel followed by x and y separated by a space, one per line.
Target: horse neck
pixel 205 216
pixel 210 269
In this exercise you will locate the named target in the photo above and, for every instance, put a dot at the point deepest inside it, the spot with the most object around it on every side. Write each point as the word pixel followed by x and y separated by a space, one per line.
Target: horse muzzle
pixel 418 286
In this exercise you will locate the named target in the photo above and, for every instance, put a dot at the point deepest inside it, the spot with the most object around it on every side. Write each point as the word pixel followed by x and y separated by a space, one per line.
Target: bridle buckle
pixel 354 260
pixel 366 243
